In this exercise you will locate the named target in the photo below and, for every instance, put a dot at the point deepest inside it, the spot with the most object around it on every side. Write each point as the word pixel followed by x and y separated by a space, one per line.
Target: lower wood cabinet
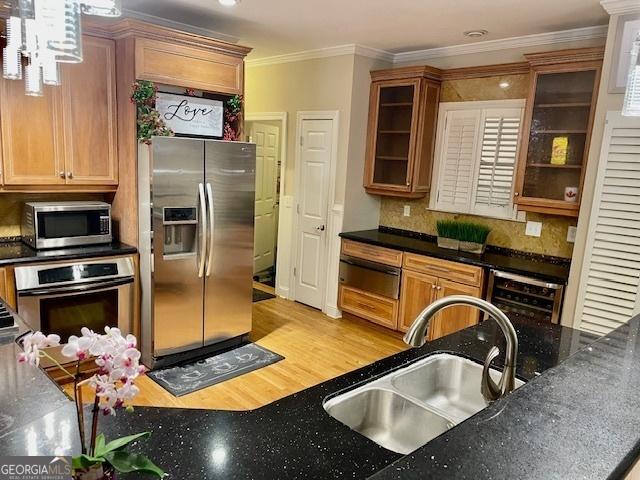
pixel 424 280
pixel 376 308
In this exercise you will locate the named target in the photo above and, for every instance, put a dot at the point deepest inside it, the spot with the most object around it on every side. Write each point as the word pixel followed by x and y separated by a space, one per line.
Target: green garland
pixel 148 118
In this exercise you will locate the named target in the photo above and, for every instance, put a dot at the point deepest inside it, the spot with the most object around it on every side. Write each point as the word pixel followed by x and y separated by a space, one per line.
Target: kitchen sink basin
pixel 389 419
pixel 407 408
pixel 449 383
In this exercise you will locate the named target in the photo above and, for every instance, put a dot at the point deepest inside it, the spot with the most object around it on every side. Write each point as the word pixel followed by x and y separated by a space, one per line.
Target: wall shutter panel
pixel 496 168
pixel 609 287
pixel 457 160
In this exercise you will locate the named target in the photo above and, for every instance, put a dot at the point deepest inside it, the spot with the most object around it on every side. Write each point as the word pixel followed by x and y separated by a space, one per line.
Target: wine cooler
pixel 524 298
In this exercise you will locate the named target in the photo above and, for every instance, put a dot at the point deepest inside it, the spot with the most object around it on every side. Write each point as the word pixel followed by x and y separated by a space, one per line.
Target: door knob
pixel 320 228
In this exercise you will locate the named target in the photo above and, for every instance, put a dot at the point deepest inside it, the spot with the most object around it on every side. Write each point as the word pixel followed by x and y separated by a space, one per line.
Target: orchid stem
pixel 45 354
pixel 77 395
pixel 94 424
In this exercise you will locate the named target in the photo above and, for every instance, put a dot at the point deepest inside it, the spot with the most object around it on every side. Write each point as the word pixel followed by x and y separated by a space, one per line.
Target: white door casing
pixel 267 140
pixel 316 151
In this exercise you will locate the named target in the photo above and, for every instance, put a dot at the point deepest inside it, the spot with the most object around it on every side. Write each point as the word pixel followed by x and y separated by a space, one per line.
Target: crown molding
pixel 350 49
pixel 165 22
pixel 576 34
pixel 619 7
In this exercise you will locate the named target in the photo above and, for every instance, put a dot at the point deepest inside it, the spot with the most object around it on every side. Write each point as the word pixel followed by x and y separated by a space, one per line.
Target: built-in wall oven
pixel 62 298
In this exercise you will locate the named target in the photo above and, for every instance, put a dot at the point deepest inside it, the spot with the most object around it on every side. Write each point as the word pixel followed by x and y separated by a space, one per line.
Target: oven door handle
pixel 86 287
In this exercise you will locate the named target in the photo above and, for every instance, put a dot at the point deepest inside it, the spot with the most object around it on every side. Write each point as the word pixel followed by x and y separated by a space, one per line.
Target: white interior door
pixel 313 193
pixel 267 140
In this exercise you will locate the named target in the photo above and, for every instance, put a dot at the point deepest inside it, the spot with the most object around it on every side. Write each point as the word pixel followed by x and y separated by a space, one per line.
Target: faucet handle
pixel 490 391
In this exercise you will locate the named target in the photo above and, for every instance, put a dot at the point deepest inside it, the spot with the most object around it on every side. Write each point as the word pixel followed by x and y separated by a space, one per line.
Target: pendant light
pixel 45 33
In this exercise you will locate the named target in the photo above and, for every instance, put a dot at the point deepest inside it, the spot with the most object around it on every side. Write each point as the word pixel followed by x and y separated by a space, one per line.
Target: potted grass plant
pixel 448 234
pixel 473 237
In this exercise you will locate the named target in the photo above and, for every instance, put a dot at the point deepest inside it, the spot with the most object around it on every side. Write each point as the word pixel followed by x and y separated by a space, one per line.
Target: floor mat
pixel 259 295
pixel 190 377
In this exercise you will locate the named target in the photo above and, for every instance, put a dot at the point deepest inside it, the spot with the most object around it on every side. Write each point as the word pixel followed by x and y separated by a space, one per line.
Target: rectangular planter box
pixel 450 243
pixel 473 247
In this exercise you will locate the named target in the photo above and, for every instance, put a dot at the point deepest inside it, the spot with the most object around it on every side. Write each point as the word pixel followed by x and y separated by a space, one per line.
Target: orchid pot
pixel 118 362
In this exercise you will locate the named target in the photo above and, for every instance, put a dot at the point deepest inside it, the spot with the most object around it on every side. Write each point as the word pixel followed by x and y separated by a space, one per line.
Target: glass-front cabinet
pixel 558 126
pixel 401 136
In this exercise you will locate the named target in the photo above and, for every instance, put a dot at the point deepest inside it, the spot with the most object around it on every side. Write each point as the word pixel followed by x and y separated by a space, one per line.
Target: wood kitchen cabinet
pixel 425 280
pixel 403 108
pixel 558 123
pixel 65 139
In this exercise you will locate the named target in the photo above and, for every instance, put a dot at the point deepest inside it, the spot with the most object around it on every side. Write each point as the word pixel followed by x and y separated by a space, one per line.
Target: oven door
pixel 64 310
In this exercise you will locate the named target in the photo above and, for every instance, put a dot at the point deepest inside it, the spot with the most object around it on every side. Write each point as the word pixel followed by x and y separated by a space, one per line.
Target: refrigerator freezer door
pixel 230 181
pixel 179 242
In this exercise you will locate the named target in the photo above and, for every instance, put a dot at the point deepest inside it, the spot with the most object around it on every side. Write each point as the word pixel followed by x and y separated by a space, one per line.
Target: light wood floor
pixel 316 348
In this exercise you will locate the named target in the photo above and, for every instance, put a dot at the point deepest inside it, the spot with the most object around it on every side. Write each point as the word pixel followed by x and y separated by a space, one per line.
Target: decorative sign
pixel 191 115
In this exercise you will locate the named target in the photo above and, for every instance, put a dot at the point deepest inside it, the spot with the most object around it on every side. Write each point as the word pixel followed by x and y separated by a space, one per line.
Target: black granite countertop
pixel 18 252
pixel 579 419
pixel 528 266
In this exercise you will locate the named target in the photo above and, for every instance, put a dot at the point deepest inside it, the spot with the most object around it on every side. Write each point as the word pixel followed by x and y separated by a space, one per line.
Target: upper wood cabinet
pixel 32 135
pixel 67 137
pixel 403 108
pixel 557 130
pixel 189 67
pixel 89 110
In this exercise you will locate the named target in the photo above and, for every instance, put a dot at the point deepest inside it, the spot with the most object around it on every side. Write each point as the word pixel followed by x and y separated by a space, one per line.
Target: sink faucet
pixel 415 337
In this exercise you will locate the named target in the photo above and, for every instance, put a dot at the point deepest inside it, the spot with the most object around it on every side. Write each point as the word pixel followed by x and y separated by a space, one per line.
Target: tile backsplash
pixel 504 233
pixel 11 207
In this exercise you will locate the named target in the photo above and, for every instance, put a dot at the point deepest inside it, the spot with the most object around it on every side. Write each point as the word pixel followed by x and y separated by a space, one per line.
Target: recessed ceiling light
pixel 229 3
pixel 475 33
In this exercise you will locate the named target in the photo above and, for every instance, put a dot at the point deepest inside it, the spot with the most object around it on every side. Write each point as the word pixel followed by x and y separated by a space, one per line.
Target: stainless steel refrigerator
pixel 196 216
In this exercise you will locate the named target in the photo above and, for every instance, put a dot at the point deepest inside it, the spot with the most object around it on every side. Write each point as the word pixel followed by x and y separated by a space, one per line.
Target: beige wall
pixel 317 84
pixel 606 102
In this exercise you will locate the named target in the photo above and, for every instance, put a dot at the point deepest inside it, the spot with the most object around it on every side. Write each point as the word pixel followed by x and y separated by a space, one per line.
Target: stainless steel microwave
pixel 66 224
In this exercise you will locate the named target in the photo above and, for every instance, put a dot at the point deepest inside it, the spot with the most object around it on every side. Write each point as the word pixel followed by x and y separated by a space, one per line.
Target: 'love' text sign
pixel 191 115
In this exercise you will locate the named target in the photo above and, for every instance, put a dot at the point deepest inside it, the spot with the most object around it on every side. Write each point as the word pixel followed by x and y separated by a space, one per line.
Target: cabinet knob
pixel 61 174
pixel 433 287
pixel 69 174
pixel 516 194
pixel 438 287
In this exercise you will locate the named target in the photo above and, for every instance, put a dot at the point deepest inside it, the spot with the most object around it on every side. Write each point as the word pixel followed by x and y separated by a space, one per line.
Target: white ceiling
pixel 274 27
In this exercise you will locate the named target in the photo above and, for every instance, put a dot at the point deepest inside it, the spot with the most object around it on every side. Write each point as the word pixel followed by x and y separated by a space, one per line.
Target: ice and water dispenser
pixel 180 226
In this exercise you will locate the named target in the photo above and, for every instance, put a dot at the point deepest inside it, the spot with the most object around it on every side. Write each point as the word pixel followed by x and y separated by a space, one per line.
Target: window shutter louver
pixel 498 156
pixel 609 287
pixel 457 164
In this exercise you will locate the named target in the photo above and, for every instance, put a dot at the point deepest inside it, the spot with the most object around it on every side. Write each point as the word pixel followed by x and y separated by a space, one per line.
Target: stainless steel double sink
pixel 407 408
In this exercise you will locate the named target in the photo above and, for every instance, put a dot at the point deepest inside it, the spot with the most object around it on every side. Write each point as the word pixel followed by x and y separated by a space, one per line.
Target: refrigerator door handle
pixel 203 222
pixel 211 227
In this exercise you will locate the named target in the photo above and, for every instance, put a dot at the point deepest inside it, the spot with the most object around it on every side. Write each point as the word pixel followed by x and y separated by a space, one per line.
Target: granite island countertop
pixel 553 270
pixel 580 418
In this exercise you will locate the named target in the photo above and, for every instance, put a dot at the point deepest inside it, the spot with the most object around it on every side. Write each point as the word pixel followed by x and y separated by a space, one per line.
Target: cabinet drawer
pixel 457 272
pixel 380 310
pixel 373 253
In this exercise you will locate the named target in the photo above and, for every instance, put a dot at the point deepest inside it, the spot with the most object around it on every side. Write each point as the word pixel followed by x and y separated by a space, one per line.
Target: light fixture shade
pixel 103 8
pixel 631 106
pixel 33 80
pixel 50 70
pixel 59 23
pixel 12 64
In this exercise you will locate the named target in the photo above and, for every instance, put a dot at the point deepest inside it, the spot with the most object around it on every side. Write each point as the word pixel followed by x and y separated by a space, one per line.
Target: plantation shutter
pixel 611 272
pixel 497 164
pixel 457 160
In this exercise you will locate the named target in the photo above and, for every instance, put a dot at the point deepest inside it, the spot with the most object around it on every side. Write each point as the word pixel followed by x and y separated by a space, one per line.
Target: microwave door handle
pixel 203 224
pixel 211 228
pixel 85 287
